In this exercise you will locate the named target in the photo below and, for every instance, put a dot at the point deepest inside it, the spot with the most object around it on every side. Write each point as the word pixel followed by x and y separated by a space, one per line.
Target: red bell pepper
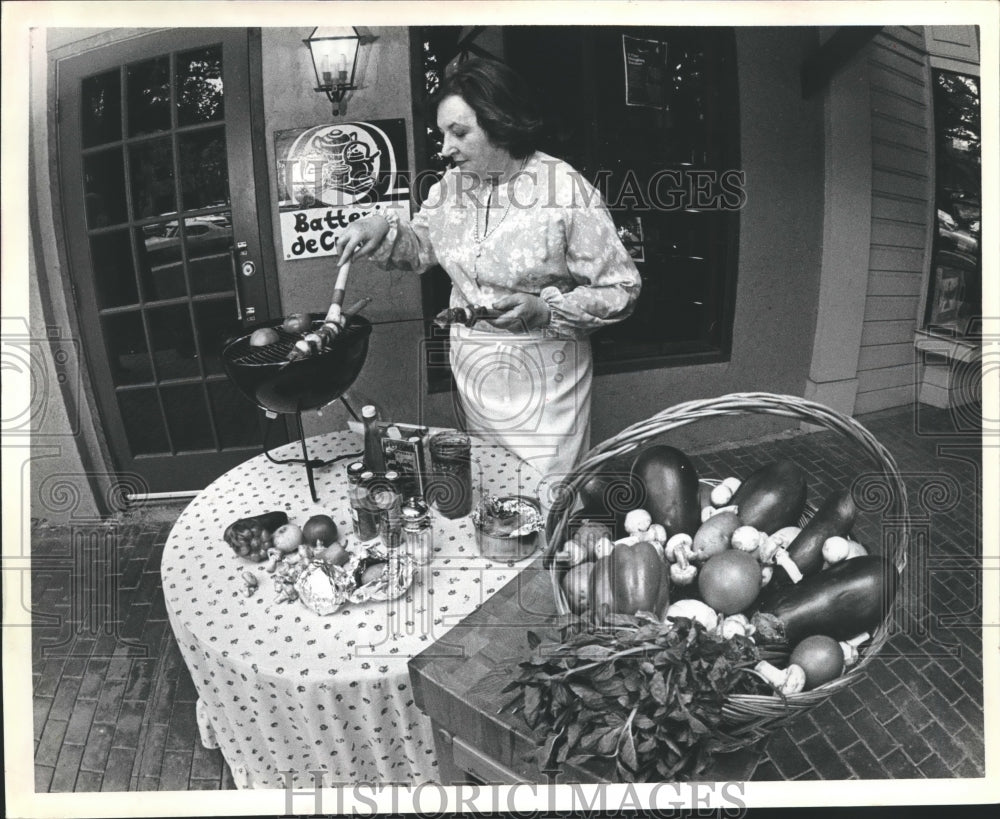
pixel 632 578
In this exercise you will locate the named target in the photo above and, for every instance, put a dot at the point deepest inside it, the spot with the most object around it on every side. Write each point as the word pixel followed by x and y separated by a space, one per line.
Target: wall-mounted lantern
pixel 334 51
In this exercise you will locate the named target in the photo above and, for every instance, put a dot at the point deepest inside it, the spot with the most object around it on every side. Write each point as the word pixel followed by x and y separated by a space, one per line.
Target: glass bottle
pixel 374 459
pixel 418 534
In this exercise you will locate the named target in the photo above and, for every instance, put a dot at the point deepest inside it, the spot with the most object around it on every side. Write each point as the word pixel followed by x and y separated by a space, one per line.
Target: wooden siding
pixel 902 196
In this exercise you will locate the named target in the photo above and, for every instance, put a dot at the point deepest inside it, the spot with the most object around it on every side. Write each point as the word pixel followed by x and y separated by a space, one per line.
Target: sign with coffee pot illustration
pixel 331 175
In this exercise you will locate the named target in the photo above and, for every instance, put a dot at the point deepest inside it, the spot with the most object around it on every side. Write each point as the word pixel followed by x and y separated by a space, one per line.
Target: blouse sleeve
pixel 607 283
pixel 407 245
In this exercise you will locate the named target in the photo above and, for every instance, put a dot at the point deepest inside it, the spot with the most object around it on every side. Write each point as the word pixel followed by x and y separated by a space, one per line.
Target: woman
pixel 524 234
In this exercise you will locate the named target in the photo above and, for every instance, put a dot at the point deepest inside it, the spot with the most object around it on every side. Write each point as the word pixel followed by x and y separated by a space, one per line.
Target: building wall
pixel 779 247
pixel 780 243
pixel 901 218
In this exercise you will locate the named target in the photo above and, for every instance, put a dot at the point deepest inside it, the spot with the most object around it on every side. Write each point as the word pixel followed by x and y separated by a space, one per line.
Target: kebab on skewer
pixel 463 315
pixel 322 338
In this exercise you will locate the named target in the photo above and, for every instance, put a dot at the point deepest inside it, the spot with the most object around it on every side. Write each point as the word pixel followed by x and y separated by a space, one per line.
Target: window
pixel 954 299
pixel 667 165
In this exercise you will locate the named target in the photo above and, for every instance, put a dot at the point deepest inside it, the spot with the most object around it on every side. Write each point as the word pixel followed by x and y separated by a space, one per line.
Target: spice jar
pixel 418 533
pixel 368 510
pixel 354 473
pixel 388 498
pixel 450 488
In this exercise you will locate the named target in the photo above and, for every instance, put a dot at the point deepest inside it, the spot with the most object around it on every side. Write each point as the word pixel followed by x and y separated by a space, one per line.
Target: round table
pixel 282 689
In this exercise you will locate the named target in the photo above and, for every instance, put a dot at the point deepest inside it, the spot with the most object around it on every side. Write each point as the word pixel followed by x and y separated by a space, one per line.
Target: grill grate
pixel 243 354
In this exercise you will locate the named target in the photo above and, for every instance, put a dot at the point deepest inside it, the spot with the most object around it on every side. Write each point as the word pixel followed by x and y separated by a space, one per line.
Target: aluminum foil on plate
pixel 324 587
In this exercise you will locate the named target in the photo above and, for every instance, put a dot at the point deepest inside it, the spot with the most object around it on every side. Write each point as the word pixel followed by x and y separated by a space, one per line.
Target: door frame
pixel 108 483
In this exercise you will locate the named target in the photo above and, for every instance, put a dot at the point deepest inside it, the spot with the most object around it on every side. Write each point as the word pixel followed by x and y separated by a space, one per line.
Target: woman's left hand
pixel 521 311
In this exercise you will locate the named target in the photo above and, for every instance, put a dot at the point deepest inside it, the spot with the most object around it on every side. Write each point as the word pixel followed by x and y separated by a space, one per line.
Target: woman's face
pixel 466 144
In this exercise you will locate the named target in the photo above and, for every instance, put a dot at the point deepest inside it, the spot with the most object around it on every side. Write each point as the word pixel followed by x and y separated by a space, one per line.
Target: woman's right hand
pixel 360 238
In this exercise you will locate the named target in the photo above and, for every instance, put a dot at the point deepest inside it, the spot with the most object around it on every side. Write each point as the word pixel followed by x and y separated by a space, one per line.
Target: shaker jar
pixel 418 532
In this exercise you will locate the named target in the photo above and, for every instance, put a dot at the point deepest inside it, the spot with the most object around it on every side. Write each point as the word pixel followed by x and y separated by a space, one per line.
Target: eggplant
pixel 668 483
pixel 834 518
pixel 839 602
pixel 772 497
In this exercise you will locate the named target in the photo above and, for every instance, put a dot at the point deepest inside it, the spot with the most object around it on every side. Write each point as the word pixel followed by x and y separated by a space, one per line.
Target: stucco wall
pixel 779 250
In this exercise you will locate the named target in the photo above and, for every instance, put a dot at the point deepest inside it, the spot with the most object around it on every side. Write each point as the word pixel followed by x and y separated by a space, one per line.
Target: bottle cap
pixel 415 511
pixel 369 411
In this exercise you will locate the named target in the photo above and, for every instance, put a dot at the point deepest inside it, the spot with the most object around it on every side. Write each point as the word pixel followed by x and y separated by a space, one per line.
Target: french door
pixel 167 251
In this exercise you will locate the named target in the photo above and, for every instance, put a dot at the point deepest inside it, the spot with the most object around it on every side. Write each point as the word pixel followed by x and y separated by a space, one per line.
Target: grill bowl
pixel 269 380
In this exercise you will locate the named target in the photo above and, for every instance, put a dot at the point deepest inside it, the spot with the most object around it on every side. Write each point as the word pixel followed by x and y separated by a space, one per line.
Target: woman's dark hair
pixel 504 105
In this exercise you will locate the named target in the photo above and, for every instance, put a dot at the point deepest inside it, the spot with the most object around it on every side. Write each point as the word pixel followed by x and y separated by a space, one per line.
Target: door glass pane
pixel 143 421
pixel 101 109
pixel 104 188
pixel 209 241
pixel 127 351
pixel 160 265
pixel 204 174
pixel 114 275
pixel 173 342
pixel 217 323
pixel 199 86
pixel 187 417
pixel 236 419
pixel 149 96
pixel 152 168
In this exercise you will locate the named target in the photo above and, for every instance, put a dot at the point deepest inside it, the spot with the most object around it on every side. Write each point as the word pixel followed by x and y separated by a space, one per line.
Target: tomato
pixel 730 581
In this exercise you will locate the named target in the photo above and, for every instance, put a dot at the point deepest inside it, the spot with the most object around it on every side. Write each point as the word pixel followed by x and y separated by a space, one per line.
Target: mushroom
pixel 638 520
pixel 850 648
pixel 771 552
pixel 679 543
pixel 723 492
pixel 747 539
pixel 837 549
pixel 736 624
pixel 571 553
pixel 656 533
pixel 766 573
pixel 695 610
pixel 682 571
pixel 790 681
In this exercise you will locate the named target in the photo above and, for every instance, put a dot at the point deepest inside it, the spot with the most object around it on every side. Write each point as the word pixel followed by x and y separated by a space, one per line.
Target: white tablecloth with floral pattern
pixel 281 688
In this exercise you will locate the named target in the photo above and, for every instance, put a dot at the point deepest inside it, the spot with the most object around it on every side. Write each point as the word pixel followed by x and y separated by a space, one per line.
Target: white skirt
pixel 530 392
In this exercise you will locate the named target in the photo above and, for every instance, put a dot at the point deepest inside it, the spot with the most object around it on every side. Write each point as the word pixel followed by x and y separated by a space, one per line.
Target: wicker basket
pixel 747 718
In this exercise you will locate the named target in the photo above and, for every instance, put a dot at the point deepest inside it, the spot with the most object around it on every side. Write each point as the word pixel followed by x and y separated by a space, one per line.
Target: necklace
pixel 486 222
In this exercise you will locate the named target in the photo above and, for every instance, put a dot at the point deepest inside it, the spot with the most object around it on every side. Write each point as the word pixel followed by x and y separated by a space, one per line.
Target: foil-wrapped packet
pixel 391 582
pixel 324 587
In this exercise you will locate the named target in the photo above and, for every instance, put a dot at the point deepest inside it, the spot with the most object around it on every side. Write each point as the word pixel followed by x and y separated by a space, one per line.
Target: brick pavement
pixel 114 703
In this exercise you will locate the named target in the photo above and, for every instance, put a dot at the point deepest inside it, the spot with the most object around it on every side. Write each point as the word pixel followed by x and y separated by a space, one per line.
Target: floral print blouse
pixel 546 232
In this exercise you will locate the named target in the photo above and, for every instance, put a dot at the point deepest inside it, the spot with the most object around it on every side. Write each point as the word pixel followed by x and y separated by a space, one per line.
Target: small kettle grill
pixel 265 375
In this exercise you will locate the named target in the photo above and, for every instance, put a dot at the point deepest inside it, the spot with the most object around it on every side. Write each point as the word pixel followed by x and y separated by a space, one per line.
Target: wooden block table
pixel 457 683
